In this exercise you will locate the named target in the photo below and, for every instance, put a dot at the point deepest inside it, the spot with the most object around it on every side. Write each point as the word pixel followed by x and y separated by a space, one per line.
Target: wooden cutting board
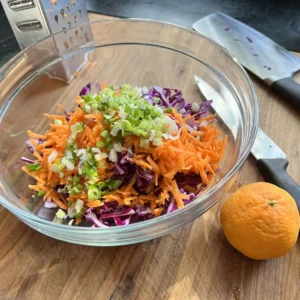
pixel 194 262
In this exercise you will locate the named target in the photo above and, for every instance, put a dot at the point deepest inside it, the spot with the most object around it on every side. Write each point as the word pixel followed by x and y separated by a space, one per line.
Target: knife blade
pixel 270 159
pixel 259 54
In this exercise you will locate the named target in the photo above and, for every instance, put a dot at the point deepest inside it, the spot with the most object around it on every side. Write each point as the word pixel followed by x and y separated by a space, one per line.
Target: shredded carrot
pixel 112 198
pixel 131 183
pixel 78 221
pixel 35 135
pixel 190 189
pixel 163 196
pixel 97 117
pixel 38 156
pixel 140 162
pixel 157 211
pixel 37 187
pixel 95 203
pixel 153 165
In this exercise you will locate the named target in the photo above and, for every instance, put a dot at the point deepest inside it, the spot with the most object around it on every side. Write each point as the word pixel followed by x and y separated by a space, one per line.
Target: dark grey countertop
pixel 278 19
pixel 8 44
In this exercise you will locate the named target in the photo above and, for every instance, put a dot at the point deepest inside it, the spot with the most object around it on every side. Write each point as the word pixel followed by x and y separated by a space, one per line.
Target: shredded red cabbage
pixel 29 146
pixel 193 124
pixel 191 195
pixel 171 206
pixel 125 170
pixel 50 204
pixel 191 179
pixel 144 178
pixel 112 214
pixel 27 160
pixel 123 166
pixel 174 98
pixel 92 217
pixel 92 87
pixel 66 116
pixel 124 212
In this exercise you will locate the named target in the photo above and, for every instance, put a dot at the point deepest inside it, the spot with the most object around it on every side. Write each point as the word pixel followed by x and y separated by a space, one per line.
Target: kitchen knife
pixel 270 159
pixel 259 54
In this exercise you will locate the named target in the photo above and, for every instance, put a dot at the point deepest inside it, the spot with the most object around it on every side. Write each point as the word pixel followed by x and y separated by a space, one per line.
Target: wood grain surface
pixel 194 262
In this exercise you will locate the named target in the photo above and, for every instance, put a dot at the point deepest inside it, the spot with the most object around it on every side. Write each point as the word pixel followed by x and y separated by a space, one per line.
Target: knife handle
pixel 289 89
pixel 274 171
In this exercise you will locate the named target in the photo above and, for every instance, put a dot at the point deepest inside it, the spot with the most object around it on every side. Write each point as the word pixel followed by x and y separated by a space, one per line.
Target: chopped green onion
pixel 57 220
pixel 132 120
pixel 41 193
pixel 136 115
pixel 76 189
pixel 112 120
pixel 78 215
pixel 76 179
pixel 114 184
pixel 68 163
pixel 34 167
pixel 111 184
pixel 157 142
pixel 93 192
pixel 144 143
pixel 195 106
pixel 79 205
pixel 76 128
pixel 100 144
pixel 88 98
pixel 86 108
pixel 58 122
pixel 100 156
pixel 113 155
pixel 91 172
pixel 104 133
pixel 109 113
pixel 57 166
pixel 60 214
pixel 108 139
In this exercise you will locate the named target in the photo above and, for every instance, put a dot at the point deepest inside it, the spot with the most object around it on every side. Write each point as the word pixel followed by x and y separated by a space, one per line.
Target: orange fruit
pixel 261 220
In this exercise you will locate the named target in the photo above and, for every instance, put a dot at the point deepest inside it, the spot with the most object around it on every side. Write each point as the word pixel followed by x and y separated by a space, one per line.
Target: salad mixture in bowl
pixel 124 155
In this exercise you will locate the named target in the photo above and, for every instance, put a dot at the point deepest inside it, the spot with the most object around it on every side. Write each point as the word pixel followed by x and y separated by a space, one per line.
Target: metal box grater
pixel 33 20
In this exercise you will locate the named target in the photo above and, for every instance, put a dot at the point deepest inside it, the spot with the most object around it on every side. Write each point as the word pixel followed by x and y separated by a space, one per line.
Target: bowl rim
pixel 163 218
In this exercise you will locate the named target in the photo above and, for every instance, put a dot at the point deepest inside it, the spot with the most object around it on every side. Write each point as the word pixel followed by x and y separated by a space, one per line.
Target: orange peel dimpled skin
pixel 261 221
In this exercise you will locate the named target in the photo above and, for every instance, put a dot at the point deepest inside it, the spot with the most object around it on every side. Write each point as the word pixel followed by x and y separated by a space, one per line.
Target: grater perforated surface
pixel 46 17
pixel 62 14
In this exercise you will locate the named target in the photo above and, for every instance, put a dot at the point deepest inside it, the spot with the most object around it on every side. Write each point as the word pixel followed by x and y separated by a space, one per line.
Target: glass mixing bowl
pixel 139 52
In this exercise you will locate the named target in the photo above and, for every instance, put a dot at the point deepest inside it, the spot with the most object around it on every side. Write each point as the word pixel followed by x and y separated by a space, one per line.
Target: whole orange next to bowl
pixel 261 220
